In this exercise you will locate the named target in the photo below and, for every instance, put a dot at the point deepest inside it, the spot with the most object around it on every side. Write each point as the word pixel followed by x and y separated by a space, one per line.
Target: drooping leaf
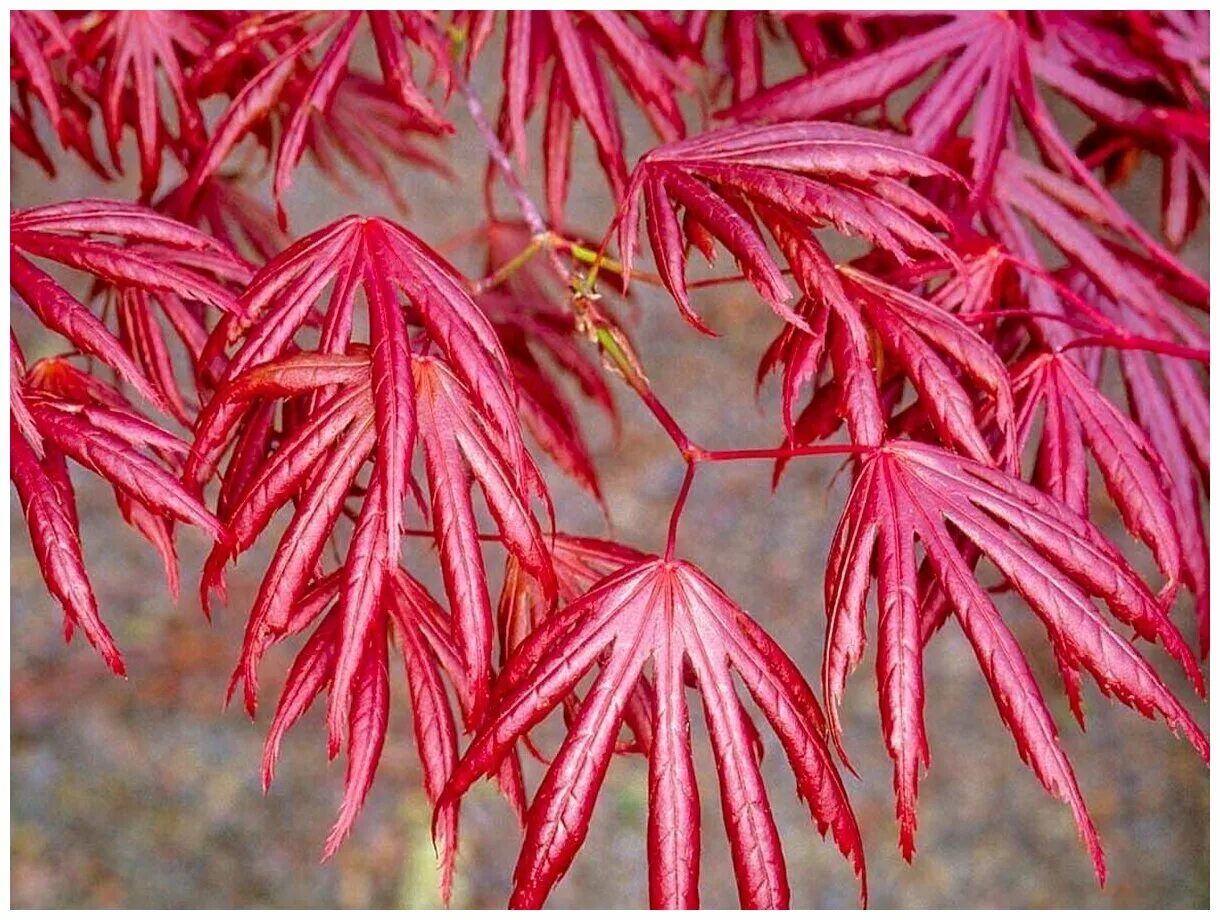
pixel 59 412
pixel 669 613
pixel 579 50
pixel 318 466
pixel 155 257
pixel 1076 416
pixel 944 359
pixel 137 52
pixel 288 84
pixel 809 173
pixel 1054 558
pixel 989 59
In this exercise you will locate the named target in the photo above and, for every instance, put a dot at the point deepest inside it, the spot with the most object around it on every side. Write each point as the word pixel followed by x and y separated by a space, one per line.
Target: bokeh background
pixel 144 793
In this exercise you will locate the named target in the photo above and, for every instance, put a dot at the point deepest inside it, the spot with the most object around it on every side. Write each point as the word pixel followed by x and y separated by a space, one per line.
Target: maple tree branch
pixel 500 156
pixel 529 210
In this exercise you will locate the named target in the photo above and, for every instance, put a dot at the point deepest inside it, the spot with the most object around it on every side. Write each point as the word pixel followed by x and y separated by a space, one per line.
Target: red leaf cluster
pixel 999 328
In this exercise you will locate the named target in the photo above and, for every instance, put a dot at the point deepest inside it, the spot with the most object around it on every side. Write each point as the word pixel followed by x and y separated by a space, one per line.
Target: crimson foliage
pixel 962 353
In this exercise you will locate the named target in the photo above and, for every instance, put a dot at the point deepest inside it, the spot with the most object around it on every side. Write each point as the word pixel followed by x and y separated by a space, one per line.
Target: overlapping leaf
pixel 988 60
pixel 420 628
pixel 464 407
pixel 142 258
pixel 373 405
pixel 287 82
pixel 1077 417
pixel 318 466
pixel 59 413
pixel 580 562
pixel 133 55
pixel 1143 95
pixel 927 343
pixel 803 174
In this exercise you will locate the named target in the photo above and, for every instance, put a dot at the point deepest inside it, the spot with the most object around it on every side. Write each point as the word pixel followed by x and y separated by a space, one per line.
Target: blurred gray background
pixel 143 793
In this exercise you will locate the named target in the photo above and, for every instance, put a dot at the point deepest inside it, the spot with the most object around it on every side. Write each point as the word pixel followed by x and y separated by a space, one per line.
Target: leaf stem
pixel 509 268
pixel 614 348
pixel 1110 336
pixel 679 504
pixel 781 453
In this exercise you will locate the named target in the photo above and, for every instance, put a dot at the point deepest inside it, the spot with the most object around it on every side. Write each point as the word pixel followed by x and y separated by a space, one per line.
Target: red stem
pixel 666 420
pixel 679 504
pixel 423 532
pixel 780 453
pixel 1111 336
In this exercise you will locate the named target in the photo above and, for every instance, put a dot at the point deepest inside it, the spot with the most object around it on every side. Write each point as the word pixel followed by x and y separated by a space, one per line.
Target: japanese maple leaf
pixel 60 413
pixel 564 59
pixel 1140 102
pixel 1167 396
pixel 226 210
pixel 1077 417
pixel 36 38
pixel 928 344
pixel 579 562
pixel 153 258
pixel 1078 223
pixel 463 409
pixel 367 129
pixel 991 60
pixel 420 629
pixel 318 465
pixel 289 83
pixel 470 395
pixel 138 53
pixel 818 38
pixel 987 59
pixel 1053 557
pixel 807 174
pixel 381 259
pixel 670 614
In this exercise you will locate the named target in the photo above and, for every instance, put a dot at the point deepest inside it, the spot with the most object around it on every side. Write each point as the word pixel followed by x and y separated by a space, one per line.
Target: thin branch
pixel 529 210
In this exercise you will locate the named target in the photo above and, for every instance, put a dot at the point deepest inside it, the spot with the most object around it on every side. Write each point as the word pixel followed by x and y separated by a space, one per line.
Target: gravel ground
pixel 144 793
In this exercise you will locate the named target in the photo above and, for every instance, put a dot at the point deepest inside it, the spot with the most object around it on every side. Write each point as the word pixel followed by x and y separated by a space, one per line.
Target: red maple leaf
pixel 1050 555
pixel 668 613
